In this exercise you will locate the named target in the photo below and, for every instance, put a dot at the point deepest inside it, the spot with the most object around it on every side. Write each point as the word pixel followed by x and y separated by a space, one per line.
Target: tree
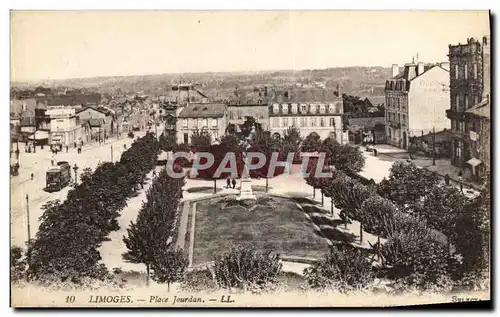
pixel 344 157
pixel 244 267
pixel 169 266
pixel 201 140
pixel 344 268
pixel 17 264
pixel 291 142
pixel 155 225
pixel 378 216
pixel 440 208
pixel 312 143
pixel 348 195
pixel 408 184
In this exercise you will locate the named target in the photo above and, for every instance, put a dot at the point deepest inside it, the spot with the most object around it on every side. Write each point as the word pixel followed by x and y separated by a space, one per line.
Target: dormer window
pixel 322 108
pixel 303 108
pixel 318 109
pixel 276 108
pixel 285 108
pixel 294 108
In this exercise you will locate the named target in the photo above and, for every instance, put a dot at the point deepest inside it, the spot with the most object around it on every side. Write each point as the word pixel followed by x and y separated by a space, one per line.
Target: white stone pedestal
pixel 246 189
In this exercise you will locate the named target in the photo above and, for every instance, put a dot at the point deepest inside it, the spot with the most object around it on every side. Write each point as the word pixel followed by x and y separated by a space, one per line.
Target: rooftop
pixel 203 110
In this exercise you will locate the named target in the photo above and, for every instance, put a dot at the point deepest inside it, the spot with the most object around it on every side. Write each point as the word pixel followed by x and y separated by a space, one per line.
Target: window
pixel 403 119
pixel 261 114
pixel 239 114
pixel 466 99
pixel 313 122
pixel 332 122
pixel 294 122
pixel 216 134
pixel 186 138
pixel 322 122
pixel 184 123
pixel 465 71
pixel 302 122
pixel 322 108
pixel 456 71
pixel 276 108
pixel 303 108
pixel 475 100
pixel 475 70
pixel 231 115
pixel 214 123
pixel 457 102
pixel 285 122
pixel 250 114
pixel 294 108
pixel 317 109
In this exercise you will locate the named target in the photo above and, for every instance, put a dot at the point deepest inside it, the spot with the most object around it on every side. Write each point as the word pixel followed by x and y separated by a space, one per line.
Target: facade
pixel 479 132
pixel 109 126
pixel 204 116
pixel 469 90
pixel 63 128
pixel 325 119
pixel 238 112
pixel 416 101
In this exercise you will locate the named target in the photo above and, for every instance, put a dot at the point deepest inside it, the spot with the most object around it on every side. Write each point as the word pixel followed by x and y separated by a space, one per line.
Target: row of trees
pixel 66 246
pixel 151 239
pixel 412 210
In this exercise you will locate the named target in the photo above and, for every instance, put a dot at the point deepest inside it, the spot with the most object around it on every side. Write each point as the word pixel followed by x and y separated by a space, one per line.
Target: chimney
pixel 410 71
pixel 420 68
pixel 395 70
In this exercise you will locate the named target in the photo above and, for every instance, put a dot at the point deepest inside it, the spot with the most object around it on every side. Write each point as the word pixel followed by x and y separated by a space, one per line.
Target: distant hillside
pixel 353 80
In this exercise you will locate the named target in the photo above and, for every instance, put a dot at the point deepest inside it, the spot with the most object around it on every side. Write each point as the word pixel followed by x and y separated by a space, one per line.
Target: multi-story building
pixel 469 87
pixel 416 101
pixel 63 128
pixel 211 117
pixel 325 119
pixel 239 111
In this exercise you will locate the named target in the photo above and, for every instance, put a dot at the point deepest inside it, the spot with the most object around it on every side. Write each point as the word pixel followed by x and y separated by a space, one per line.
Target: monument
pixel 246 181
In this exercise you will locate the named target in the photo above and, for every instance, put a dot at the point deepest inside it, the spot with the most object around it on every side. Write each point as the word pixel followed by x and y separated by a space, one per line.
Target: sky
pixel 75 44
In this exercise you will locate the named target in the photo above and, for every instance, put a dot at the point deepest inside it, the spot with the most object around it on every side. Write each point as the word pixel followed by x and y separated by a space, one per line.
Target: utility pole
pixel 433 146
pixel 29 232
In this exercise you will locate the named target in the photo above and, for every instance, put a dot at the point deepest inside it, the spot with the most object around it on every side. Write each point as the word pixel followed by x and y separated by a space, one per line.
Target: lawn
pixel 269 223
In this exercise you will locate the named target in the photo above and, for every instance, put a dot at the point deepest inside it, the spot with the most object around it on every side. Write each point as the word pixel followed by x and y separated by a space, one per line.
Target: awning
pixel 474 162
pixel 39 135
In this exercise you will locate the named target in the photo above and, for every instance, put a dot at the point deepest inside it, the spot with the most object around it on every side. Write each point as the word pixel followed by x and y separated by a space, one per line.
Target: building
pixel 63 127
pixel 469 102
pixel 325 119
pixel 109 126
pixel 479 133
pixel 187 93
pixel 375 126
pixel 416 101
pixel 211 117
pixel 238 113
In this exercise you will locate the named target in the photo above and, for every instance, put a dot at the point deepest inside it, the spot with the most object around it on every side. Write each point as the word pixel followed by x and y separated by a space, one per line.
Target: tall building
pixel 416 101
pixel 469 110
pixel 469 86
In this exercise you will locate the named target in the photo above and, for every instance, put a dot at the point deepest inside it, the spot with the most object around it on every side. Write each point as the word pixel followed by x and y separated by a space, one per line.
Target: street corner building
pixel 469 111
pixel 416 101
pixel 323 118
pixel 210 117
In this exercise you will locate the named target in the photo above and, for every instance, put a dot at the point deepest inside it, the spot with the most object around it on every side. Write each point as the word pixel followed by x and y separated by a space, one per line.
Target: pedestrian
pixel 447 180
pixel 74 144
pixel 52 162
pixel 32 176
pixel 125 146
pixel 228 182
pixel 460 180
pixel 234 183
pixel 67 149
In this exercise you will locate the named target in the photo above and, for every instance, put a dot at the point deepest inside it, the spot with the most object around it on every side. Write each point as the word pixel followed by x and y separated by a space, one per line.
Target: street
pixel 38 163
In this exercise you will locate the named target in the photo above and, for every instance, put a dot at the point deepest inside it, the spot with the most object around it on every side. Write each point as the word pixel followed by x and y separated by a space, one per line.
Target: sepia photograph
pixel 287 158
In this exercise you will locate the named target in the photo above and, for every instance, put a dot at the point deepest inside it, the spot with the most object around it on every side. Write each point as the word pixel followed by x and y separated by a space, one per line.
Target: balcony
pixel 454 114
pixel 395 125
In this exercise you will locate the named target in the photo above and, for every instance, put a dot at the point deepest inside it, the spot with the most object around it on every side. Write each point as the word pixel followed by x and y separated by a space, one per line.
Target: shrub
pixel 344 268
pixel 17 264
pixel 245 268
pixel 199 280
pixel 169 266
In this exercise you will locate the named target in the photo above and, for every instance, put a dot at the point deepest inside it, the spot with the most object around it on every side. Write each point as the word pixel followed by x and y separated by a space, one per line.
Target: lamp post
pixel 75 168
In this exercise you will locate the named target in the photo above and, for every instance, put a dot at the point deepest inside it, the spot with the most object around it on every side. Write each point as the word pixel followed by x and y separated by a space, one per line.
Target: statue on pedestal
pixel 246 181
